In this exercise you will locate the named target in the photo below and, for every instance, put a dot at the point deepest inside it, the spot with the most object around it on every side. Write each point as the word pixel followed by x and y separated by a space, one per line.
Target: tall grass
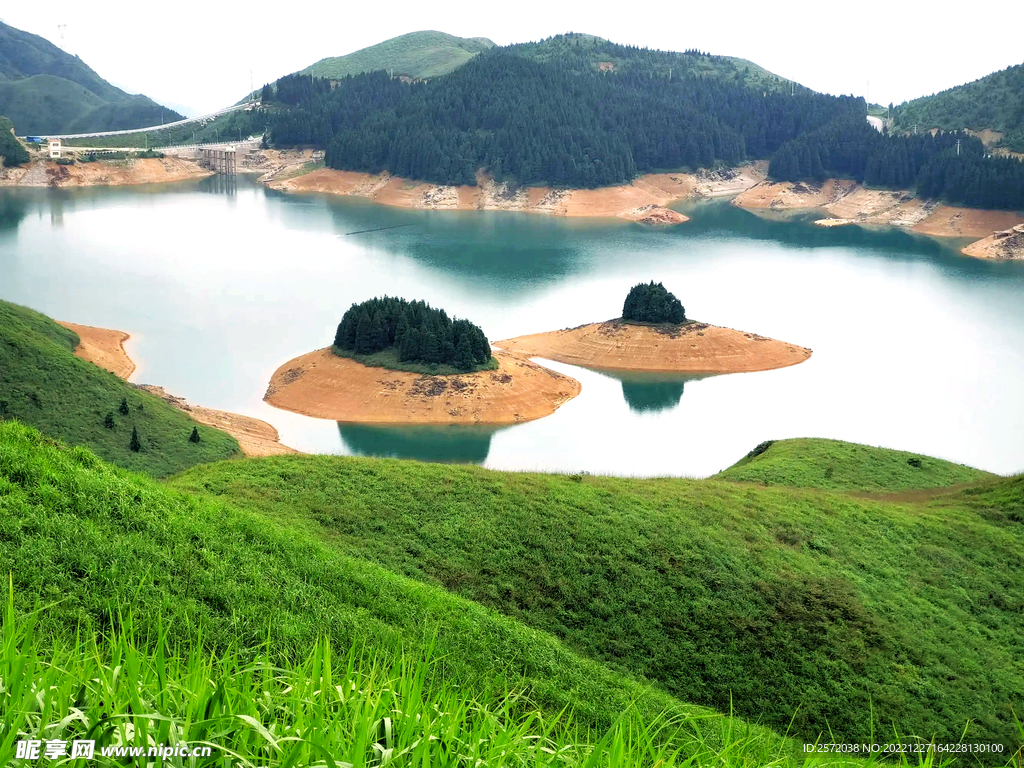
pixel 357 709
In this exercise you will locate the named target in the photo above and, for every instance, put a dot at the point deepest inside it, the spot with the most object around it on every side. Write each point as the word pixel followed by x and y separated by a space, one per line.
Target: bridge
pixel 201 118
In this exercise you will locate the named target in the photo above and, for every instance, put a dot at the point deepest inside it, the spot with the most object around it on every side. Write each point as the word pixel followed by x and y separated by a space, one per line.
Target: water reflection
pixel 219 184
pixel 459 444
pixel 651 392
pixel 13 208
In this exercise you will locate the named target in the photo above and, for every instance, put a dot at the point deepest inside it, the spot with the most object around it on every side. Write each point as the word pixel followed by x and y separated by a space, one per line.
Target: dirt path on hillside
pixel 644 200
pixel 326 386
pixel 105 348
pixel 693 348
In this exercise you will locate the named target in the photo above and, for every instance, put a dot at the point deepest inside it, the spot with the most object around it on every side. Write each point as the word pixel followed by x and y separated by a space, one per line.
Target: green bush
pixel 652 303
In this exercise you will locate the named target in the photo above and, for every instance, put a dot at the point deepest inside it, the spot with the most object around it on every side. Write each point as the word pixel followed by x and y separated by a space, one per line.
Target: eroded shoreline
pixel 644 200
pixel 846 202
pixel 696 348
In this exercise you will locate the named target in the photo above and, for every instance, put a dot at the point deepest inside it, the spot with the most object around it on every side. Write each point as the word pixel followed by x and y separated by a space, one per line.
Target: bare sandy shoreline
pixel 105 348
pixel 847 202
pixel 147 170
pixel 695 348
pixel 326 386
pixel 643 200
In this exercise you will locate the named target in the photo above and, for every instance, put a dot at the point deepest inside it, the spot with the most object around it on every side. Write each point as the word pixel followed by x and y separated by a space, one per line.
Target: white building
pixel 54 149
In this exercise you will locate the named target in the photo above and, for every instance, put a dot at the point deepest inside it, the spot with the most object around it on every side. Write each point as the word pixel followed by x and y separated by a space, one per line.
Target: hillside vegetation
pixel 416 55
pixel 115 555
pixel 43 384
pixel 11 150
pixel 995 102
pixel 45 90
pixel 806 610
pixel 838 466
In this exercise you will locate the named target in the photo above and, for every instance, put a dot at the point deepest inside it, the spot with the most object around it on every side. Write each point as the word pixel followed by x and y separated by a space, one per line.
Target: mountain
pixel 416 55
pixel 995 103
pixel 46 90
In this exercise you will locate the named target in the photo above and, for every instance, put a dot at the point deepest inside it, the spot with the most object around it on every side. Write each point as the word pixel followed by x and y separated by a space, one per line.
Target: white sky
pixel 200 54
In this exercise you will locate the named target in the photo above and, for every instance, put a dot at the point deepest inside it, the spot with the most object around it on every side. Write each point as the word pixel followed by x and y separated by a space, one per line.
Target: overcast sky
pixel 201 54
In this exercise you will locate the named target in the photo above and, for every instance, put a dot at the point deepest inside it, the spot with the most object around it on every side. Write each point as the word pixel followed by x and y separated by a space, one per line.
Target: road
pixel 210 116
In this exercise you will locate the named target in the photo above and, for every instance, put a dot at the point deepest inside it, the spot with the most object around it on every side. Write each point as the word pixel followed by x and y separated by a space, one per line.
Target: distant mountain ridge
pixel 416 55
pixel 46 90
pixel 994 102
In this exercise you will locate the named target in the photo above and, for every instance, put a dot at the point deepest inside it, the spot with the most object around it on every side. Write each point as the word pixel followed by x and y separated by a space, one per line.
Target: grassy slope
pixel 11 150
pixel 87 539
pixel 839 466
pixel 388 358
pixel 995 101
pixel 417 55
pixel 42 383
pixel 780 601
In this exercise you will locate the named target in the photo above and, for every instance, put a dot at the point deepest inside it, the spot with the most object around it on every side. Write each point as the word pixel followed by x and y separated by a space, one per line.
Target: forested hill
pixel 995 102
pixel 587 53
pixel 579 111
pixel 536 119
pixel 46 90
pixel 415 55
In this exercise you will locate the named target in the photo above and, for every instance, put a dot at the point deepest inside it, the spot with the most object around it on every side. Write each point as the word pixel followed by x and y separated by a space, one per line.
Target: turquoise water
pixel 915 347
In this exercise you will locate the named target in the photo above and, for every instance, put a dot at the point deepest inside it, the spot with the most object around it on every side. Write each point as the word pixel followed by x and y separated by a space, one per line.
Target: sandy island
pixel 847 202
pixel 105 348
pixel 326 386
pixel 692 348
pixel 643 200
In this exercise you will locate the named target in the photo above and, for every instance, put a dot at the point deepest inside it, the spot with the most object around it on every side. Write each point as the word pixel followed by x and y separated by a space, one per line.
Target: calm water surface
pixel 915 347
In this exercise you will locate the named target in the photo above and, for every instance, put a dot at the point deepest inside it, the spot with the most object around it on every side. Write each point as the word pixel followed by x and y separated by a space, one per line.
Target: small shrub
pixel 65 161
pixel 135 444
pixel 915 462
pixel 123 408
pixel 194 437
pixel 109 421
pixel 761 448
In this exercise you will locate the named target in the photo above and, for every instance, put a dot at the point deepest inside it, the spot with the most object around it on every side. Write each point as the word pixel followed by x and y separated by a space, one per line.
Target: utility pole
pixel 958 147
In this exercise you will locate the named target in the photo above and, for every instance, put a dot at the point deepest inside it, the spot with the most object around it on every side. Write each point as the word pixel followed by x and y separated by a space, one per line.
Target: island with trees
pixel 395 361
pixel 653 334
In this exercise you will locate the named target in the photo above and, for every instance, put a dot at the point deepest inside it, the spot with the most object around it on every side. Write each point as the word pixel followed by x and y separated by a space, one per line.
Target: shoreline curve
pixel 325 386
pixel 696 348
pixel 104 347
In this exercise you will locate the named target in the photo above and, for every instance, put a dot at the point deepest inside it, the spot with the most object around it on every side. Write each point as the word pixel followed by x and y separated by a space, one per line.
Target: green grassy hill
pixel 172 581
pixel 804 610
pixel 838 466
pixel 45 90
pixel 995 102
pixel 416 55
pixel 43 384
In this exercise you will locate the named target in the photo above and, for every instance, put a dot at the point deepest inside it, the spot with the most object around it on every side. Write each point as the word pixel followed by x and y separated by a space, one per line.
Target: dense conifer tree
pixel 123 408
pixel 108 422
pixel 652 303
pixel 194 437
pixel 418 332
pixel 135 444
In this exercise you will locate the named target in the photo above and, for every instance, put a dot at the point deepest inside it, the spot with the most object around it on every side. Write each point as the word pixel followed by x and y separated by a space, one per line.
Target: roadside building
pixel 54 148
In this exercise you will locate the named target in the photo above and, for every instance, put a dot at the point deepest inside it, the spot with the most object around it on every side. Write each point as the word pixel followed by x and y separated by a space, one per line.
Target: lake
pixel 221 281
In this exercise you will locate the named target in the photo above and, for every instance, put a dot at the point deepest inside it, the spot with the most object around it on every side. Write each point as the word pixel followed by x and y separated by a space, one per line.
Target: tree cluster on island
pixel 652 303
pixel 417 332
